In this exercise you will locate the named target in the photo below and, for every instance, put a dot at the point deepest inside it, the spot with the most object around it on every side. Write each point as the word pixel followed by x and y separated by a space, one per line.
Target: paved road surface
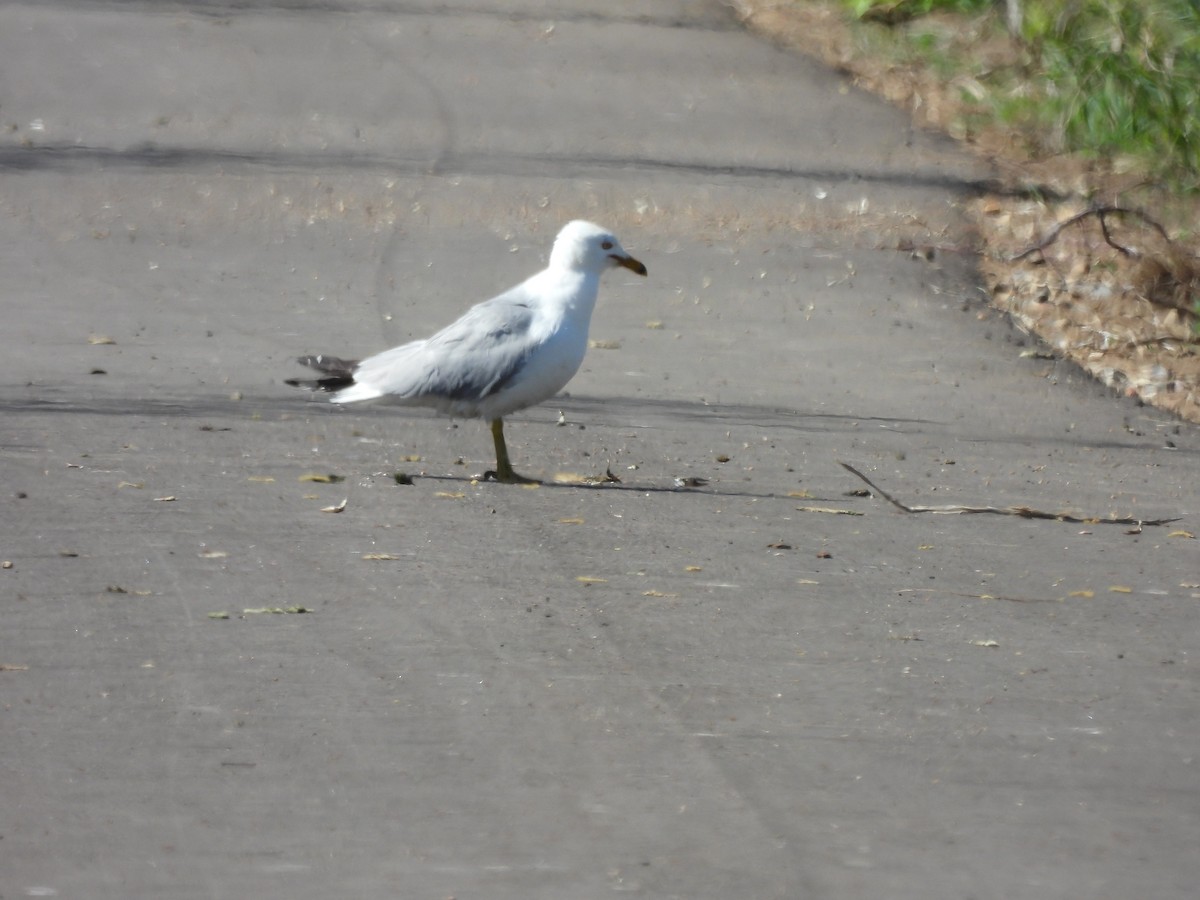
pixel 570 691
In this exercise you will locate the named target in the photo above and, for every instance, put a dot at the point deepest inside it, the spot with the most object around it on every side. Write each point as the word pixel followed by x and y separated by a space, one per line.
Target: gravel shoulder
pixel 1109 292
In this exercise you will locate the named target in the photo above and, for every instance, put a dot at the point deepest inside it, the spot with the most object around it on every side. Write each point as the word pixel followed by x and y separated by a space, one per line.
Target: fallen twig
pixel 833 511
pixel 1023 512
pixel 1101 213
pixel 976 596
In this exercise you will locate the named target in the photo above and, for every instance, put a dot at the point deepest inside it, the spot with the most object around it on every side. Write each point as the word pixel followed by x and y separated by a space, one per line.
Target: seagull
pixel 504 354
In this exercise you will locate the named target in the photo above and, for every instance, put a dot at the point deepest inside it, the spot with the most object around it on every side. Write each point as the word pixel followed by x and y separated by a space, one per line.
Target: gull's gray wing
pixel 465 362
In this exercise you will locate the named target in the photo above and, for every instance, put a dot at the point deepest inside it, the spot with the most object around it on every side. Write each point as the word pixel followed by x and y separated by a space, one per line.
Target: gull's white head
pixel 590 248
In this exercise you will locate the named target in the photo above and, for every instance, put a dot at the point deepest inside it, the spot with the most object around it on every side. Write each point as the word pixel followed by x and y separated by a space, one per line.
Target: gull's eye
pixel 607 245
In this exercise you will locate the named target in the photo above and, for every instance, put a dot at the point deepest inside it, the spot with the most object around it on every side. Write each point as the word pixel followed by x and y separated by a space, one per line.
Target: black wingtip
pixel 339 373
pixel 330 365
pixel 328 385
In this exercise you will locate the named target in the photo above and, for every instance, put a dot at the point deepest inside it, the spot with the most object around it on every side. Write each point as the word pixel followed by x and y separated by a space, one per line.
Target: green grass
pixel 1110 78
pixel 912 8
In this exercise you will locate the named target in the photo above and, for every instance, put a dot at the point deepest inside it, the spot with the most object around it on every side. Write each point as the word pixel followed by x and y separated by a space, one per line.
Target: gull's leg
pixel 504 471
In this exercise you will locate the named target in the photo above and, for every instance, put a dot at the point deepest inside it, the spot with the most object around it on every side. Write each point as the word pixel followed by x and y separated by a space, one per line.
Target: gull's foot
pixel 507 477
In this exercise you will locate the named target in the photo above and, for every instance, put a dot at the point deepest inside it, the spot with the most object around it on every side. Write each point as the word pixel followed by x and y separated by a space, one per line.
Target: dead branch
pixel 1023 512
pixel 1101 213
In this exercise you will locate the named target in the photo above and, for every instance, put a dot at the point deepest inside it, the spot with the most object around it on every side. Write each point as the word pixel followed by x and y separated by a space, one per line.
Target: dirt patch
pixel 1110 291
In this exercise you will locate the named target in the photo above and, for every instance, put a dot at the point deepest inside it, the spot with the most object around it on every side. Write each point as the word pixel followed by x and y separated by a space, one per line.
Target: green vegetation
pixel 911 8
pixel 1110 78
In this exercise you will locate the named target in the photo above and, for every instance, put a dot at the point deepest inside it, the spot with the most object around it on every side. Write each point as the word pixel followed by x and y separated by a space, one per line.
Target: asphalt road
pixel 767 686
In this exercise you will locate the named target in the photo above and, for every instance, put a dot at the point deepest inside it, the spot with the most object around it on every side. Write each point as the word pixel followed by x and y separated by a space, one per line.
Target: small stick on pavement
pixel 1023 512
